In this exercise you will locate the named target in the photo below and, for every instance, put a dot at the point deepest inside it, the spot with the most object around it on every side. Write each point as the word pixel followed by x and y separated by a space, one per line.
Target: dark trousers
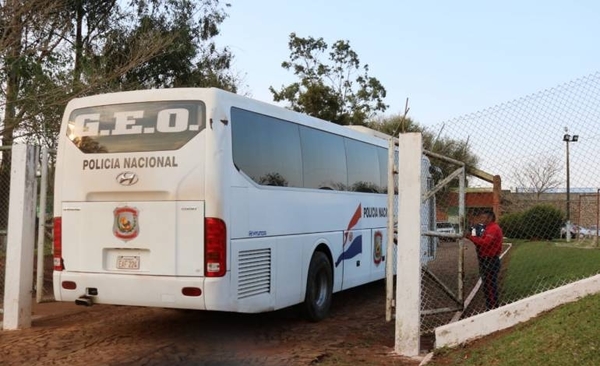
pixel 489 269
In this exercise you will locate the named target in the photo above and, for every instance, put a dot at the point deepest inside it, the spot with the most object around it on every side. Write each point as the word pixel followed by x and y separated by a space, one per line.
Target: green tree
pixel 54 50
pixel 89 20
pixel 536 223
pixel 186 56
pixel 432 141
pixel 27 43
pixel 27 46
pixel 394 124
pixel 333 85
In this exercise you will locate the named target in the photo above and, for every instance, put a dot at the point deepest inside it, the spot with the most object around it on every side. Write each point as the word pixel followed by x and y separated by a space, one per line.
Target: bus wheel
pixel 319 287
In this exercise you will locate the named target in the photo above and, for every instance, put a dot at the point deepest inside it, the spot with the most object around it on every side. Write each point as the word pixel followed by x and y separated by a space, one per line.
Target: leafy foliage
pixel 394 124
pixel 187 55
pixel 512 225
pixel 337 89
pixel 455 149
pixel 538 222
pixel 54 50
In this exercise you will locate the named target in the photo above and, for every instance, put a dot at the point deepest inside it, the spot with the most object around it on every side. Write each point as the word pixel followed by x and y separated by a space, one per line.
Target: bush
pixel 511 225
pixel 538 222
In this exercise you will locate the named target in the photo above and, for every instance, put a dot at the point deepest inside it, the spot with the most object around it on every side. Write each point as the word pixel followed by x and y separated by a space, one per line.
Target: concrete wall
pixel 466 330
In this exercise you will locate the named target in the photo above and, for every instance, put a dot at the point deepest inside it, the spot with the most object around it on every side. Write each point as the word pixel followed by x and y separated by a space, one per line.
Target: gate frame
pixel 393 223
pixel 41 238
pixel 408 261
pixel 407 333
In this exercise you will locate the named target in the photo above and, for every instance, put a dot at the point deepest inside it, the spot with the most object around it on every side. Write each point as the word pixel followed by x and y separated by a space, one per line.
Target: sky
pixel 451 59
pixel 448 57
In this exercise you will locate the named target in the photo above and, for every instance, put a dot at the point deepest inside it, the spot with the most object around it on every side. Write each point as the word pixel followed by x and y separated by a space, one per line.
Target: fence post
pixel 408 283
pixel 461 242
pixel 497 196
pixel 21 228
pixel 391 225
pixel 41 239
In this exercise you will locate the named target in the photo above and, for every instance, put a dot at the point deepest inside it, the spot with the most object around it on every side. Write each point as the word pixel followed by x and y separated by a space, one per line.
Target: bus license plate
pixel 128 262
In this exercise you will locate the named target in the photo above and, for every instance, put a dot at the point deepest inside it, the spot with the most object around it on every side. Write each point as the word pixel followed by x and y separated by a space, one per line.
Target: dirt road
pixel 355 334
pixel 64 334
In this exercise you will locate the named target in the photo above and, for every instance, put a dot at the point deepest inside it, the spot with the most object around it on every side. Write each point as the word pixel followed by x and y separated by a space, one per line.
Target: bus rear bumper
pixel 132 290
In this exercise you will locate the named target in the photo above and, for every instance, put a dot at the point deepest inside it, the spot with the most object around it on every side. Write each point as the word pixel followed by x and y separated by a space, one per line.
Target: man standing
pixel 489 247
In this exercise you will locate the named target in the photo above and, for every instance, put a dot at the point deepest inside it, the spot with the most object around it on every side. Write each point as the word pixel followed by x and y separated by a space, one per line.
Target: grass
pixel 568 335
pixel 534 267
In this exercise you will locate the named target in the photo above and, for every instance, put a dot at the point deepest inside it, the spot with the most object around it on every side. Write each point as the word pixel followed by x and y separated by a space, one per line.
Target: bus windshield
pixel 135 127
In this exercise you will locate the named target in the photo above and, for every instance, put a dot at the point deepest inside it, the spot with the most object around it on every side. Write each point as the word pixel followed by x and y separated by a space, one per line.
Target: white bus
pixel 204 199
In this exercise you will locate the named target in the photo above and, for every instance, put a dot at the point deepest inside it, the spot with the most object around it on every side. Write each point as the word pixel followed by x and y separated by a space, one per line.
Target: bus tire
pixel 319 288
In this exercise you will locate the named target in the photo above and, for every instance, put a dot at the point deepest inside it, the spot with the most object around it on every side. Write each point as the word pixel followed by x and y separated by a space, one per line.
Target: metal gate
pixel 437 296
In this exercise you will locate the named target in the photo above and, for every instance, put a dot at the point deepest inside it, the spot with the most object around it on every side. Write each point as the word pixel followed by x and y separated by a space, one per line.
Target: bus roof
pixel 355 132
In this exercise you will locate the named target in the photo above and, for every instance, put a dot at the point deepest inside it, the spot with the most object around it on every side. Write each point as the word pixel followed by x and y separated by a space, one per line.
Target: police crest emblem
pixel 125 224
pixel 377 247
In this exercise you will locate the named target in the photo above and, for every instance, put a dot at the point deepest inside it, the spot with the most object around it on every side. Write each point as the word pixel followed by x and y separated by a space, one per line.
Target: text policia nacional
pixel 130 162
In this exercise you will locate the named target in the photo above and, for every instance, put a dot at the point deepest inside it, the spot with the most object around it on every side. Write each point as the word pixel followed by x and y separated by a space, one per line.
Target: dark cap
pixel 489 213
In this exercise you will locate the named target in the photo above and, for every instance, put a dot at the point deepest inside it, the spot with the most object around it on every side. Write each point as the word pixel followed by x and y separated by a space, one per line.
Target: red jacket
pixel 490 244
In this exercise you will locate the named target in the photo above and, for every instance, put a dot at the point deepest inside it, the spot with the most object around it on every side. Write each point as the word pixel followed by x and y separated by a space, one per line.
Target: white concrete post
pixel 21 230
pixel 408 285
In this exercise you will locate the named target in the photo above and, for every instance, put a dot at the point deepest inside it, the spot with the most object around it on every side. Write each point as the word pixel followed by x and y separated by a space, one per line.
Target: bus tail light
pixel 58 261
pixel 215 239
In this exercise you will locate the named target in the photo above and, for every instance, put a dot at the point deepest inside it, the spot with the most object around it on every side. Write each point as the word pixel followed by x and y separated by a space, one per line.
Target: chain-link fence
pixel 543 150
pixel 4 198
pixel 391 246
pixel 45 223
pixel 445 277
pixel 44 175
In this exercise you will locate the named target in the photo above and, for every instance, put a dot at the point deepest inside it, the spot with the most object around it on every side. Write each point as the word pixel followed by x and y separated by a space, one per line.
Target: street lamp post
pixel 597 215
pixel 567 139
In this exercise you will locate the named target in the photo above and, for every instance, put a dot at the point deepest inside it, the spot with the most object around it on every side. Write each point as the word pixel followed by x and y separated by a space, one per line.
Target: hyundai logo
pixel 127 178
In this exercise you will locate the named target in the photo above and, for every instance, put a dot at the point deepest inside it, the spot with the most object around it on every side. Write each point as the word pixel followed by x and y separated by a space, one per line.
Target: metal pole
pixel 597 213
pixel 391 226
pixel 39 288
pixel 579 210
pixel 497 193
pixel 568 234
pixel 461 241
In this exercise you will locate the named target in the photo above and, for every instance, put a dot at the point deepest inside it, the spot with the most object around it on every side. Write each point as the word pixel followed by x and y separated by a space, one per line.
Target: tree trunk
pixel 77 70
pixel 11 68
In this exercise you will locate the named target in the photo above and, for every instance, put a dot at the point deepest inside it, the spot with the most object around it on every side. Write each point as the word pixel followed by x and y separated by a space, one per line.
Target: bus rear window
pixel 135 127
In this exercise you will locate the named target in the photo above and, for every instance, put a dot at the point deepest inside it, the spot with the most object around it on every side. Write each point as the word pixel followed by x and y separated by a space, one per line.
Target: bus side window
pixel 323 159
pixel 363 167
pixel 266 149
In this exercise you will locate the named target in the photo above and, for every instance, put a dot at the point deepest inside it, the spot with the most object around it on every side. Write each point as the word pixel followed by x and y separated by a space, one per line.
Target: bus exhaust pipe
pixel 84 301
